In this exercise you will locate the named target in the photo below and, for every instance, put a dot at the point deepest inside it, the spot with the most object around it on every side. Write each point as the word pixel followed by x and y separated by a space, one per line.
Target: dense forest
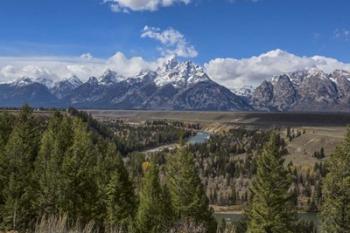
pixel 70 172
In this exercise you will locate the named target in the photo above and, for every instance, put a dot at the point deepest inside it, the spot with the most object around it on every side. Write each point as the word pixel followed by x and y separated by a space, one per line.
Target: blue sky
pixel 216 28
pixel 239 42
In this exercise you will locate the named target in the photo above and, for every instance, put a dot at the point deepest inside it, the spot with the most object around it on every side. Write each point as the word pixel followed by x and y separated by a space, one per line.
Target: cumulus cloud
pixel 57 68
pixel 129 66
pixel 141 5
pixel 235 73
pixel 173 42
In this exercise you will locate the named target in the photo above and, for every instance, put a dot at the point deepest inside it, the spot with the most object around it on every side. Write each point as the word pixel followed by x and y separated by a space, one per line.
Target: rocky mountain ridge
pixel 307 90
pixel 173 86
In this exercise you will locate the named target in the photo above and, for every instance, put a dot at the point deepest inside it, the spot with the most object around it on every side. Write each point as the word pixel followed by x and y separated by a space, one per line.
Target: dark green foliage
pixel 6 126
pixel 306 227
pixel 154 214
pixel 271 208
pixel 187 194
pixel 93 124
pixel 48 172
pixel 17 169
pixel 79 175
pixel 336 191
pixel 117 190
pixel 320 154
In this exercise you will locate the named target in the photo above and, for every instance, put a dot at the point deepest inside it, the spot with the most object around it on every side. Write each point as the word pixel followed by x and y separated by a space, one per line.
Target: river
pixel 199 138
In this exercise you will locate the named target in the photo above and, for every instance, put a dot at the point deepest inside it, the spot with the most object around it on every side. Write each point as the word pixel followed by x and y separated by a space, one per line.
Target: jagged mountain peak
pixel 180 74
pixel 306 90
pixel 171 63
pixel 74 80
pixel 92 81
pixel 339 73
pixel 24 81
pixel 110 77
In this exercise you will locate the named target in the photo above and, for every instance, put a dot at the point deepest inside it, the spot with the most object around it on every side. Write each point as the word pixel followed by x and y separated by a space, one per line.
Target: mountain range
pixel 307 90
pixel 173 86
pixel 184 86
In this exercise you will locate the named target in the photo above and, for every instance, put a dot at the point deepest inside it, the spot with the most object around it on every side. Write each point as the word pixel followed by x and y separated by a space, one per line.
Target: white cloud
pixel 174 43
pixel 141 5
pixel 57 68
pixel 129 66
pixel 235 73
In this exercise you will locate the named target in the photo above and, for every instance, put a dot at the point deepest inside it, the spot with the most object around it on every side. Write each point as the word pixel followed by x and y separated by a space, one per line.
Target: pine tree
pixel 154 213
pixel 116 190
pixel 17 168
pixel 188 197
pixel 6 126
pixel 79 184
pixel 271 209
pixel 48 172
pixel 335 216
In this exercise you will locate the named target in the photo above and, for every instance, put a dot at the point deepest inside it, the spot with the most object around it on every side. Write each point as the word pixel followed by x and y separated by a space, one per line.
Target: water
pixel 199 138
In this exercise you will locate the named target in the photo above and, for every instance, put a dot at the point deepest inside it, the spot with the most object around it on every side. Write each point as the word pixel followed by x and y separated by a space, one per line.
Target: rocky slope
pixel 309 90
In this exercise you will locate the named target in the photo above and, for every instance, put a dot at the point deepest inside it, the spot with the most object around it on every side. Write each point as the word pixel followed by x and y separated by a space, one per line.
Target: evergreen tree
pixel 335 217
pixel 6 126
pixel 271 209
pixel 188 198
pixel 154 214
pixel 79 184
pixel 54 144
pixel 17 166
pixel 116 190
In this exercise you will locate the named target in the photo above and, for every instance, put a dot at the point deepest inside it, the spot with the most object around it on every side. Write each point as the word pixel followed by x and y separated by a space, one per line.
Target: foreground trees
pixel 271 209
pixel 60 168
pixel 187 194
pixel 336 191
pixel 17 169
pixel 155 211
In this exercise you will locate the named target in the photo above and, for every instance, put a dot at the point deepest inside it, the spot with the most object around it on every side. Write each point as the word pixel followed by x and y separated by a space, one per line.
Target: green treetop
pixel 271 209
pixel 335 217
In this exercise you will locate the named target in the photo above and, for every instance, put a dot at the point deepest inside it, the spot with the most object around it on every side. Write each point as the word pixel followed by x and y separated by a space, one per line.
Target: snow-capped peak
pixel 170 64
pixel 340 73
pixel 245 91
pixel 25 81
pixel 180 74
pixel 22 82
pixel 46 81
pixel 316 72
pixel 110 77
pixel 72 82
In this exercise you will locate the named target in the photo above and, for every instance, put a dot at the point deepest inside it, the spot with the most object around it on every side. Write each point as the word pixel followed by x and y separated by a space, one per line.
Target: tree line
pixel 59 166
